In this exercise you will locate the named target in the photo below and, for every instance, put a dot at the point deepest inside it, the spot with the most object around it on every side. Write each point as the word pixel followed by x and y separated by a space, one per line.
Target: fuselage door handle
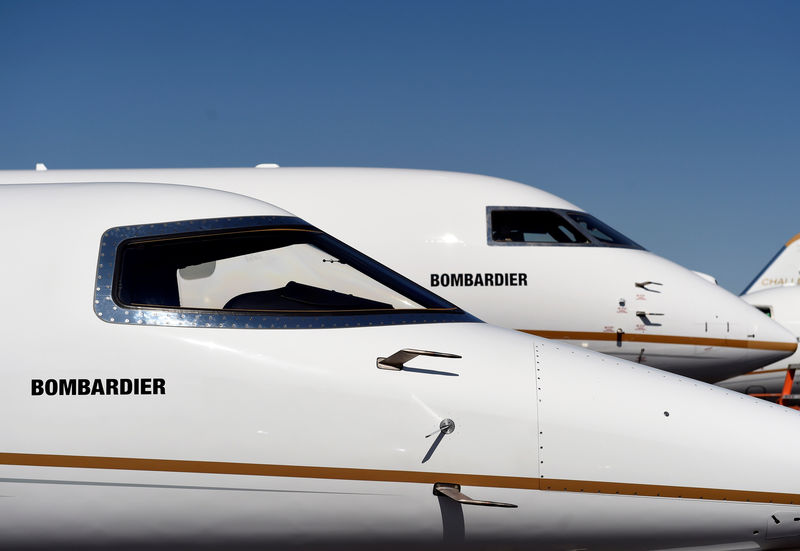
pixel 396 361
pixel 453 491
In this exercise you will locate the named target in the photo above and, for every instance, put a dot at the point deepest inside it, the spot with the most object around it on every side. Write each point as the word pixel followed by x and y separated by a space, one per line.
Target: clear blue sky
pixel 676 122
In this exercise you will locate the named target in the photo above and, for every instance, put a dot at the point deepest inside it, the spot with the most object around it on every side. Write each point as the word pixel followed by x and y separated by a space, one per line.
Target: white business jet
pixel 185 366
pixel 511 254
pixel 776 292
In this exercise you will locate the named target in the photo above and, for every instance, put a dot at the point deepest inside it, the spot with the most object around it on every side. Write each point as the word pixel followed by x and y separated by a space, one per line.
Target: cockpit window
pixel 766 310
pixel 298 276
pixel 540 226
pixel 533 226
pixel 283 269
pixel 257 267
pixel 600 231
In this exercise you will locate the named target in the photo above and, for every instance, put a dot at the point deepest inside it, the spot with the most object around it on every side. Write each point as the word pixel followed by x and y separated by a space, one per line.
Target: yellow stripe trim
pixel 663 339
pixel 380 475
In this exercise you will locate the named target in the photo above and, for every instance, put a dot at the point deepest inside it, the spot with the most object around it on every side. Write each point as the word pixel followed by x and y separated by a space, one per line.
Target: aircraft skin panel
pixel 244 412
pixel 174 508
pixel 670 429
pixel 432 227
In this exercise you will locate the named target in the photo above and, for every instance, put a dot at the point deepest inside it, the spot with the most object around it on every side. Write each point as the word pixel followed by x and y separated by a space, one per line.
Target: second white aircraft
pixel 513 255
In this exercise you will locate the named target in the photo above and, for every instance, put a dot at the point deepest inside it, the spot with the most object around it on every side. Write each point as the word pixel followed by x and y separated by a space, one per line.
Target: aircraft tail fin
pixel 782 270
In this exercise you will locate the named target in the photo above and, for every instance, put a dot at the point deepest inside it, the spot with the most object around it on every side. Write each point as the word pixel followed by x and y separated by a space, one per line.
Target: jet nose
pixel 767 341
pixel 734 337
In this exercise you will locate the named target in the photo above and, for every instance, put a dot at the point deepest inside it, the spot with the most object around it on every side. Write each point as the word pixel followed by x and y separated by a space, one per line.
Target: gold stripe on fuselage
pixel 380 475
pixel 661 339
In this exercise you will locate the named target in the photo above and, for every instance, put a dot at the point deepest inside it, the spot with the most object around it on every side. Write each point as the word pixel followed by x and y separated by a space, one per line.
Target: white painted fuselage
pixel 434 227
pixel 257 427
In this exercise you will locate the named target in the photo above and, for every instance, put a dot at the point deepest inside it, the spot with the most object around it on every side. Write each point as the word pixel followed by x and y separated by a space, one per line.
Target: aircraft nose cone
pixel 739 338
pixel 768 340
pixel 753 341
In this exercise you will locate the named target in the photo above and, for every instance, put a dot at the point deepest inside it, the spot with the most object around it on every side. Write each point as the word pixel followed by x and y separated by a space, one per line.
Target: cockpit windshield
pixel 522 226
pixel 296 276
pixel 600 231
pixel 250 267
pixel 539 226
